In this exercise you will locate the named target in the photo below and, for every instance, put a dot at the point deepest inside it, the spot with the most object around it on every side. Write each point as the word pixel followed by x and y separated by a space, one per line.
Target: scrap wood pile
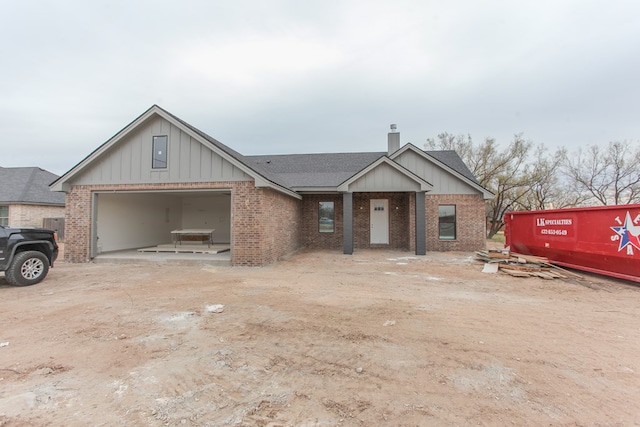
pixel 520 265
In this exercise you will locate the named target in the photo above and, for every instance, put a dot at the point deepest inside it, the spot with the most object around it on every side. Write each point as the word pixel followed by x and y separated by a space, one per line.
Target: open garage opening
pixel 138 220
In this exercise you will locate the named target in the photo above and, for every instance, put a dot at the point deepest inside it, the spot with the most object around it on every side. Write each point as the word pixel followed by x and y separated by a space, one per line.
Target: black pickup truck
pixel 26 254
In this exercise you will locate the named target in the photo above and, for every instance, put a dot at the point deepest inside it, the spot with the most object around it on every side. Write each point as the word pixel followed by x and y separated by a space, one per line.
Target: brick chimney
pixel 393 139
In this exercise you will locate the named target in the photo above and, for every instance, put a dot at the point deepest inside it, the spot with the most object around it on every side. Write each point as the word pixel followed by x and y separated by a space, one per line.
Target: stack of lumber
pixel 520 265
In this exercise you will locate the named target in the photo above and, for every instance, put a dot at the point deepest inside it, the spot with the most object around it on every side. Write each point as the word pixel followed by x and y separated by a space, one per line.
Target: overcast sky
pixel 316 76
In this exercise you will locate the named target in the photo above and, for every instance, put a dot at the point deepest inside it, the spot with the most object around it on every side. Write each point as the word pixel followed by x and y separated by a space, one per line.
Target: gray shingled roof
pixel 29 186
pixel 295 171
pixel 233 153
pixel 318 170
pixel 332 169
pixel 314 170
pixel 453 160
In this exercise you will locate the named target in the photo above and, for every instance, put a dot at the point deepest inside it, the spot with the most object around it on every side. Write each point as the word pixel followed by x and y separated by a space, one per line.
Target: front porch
pixel 384 220
pixel 356 222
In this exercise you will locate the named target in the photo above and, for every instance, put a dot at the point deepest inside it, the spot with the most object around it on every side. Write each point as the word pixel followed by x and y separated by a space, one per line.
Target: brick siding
pixel 268 225
pixel 265 223
pixel 23 215
pixel 311 236
pixel 78 225
pixel 399 221
pixel 470 222
pixel 281 218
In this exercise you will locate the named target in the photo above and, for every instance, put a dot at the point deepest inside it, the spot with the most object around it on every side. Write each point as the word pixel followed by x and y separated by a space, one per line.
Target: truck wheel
pixel 27 268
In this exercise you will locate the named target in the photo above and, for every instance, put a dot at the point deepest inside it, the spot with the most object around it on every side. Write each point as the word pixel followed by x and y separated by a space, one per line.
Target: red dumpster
pixel 603 239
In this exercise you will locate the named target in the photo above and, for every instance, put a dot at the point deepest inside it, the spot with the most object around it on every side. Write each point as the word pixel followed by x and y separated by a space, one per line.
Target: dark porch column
pixel 347 222
pixel 421 224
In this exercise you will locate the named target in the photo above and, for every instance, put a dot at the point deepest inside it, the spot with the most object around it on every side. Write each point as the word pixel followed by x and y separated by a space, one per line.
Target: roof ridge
pixel 28 183
pixel 316 154
pixel 228 150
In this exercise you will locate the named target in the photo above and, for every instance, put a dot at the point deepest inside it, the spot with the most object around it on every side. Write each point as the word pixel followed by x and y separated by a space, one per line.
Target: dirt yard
pixel 320 339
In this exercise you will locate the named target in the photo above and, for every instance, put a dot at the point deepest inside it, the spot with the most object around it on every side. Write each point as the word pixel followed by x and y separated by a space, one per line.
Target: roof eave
pixel 261 181
pixel 31 203
pixel 316 190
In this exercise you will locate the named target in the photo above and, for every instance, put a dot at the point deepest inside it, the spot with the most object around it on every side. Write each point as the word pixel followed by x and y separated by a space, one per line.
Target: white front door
pixel 380 221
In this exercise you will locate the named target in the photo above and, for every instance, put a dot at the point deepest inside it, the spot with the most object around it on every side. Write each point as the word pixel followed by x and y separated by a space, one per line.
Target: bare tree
pixel 548 189
pixel 608 176
pixel 504 172
pixel 461 144
pixel 507 176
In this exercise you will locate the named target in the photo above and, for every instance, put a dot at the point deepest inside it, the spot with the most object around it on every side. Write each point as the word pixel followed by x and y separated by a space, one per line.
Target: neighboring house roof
pixel 28 185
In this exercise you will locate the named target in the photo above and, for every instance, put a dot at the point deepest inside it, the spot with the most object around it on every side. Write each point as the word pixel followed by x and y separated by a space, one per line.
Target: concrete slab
pixel 187 248
pixel 132 256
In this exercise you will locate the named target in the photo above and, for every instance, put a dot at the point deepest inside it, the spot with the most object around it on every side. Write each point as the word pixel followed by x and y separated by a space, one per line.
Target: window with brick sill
pixel 447 222
pixel 326 215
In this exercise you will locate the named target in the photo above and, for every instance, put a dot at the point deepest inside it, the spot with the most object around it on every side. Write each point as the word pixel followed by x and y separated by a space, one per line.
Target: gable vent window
pixel 159 160
pixel 447 222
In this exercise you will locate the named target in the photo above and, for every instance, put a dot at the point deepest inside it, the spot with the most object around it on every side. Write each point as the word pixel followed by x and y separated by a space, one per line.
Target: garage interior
pixel 143 222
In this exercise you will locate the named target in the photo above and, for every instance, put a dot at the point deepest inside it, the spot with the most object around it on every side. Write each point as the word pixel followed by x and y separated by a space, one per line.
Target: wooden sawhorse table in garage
pixel 206 232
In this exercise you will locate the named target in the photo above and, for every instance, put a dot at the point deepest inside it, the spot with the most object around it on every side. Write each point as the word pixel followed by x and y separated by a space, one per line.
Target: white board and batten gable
pixel 127 157
pixel 188 159
pixel 444 179
pixel 384 175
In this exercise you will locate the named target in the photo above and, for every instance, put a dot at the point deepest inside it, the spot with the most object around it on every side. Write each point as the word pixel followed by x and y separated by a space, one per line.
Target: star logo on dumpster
pixel 628 233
